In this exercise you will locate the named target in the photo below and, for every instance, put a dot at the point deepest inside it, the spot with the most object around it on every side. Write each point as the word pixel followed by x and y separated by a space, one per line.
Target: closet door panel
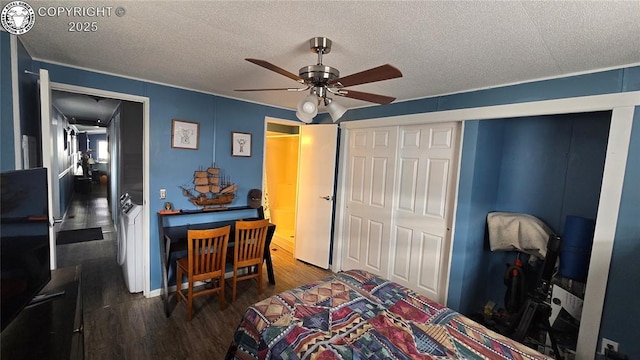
pixel 425 154
pixel 379 173
pixel 408 184
pixel 401 269
pixel 436 188
pixel 428 279
pixel 370 178
pixel 352 253
pixel 375 242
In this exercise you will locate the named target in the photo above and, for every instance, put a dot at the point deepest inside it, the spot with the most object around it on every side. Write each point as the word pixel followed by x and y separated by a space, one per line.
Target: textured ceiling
pixel 440 46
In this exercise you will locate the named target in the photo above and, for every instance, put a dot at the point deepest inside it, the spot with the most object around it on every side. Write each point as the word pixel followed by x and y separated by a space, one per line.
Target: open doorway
pixel 280 181
pixel 115 171
pixel 299 187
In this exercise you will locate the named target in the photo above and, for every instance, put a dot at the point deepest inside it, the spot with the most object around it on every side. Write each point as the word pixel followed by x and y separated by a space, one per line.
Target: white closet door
pixel 316 175
pixel 369 182
pixel 422 216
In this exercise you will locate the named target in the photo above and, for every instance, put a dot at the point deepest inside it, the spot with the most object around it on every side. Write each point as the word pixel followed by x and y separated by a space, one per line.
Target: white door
pixel 370 183
pixel 421 237
pixel 48 133
pixel 316 177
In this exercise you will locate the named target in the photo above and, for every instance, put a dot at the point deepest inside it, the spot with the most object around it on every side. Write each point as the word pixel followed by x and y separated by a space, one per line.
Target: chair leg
pixel 189 300
pixel 221 292
pixel 259 268
pixel 178 283
pixel 233 284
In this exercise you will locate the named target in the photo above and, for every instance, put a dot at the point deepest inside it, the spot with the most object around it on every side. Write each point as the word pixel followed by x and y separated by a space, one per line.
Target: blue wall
pixel 28 87
pixel 548 167
pixel 7 150
pixel 477 193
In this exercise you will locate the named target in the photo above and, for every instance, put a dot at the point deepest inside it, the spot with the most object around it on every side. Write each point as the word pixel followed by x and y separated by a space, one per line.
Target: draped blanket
pixel 521 232
pixel 357 315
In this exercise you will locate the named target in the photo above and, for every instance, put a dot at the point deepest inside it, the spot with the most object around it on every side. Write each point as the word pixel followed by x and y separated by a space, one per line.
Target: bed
pixel 357 315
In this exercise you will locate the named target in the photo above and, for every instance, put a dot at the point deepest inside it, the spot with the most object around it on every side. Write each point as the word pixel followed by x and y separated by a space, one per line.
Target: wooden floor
pixel 120 325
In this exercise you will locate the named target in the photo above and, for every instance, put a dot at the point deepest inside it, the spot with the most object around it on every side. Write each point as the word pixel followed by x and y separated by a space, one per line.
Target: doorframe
pixel 15 94
pixel 145 171
pixel 622 106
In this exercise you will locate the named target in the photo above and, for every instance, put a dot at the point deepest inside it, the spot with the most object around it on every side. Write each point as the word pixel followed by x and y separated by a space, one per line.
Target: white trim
pixel 435 96
pixel 46 61
pixel 15 94
pixel 605 231
pixel 546 107
pixel 454 207
pixel 65 172
pixel 146 151
pixel 522 82
pixel 622 105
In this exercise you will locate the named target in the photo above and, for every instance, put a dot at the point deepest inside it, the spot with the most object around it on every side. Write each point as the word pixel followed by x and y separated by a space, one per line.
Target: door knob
pixel 328 197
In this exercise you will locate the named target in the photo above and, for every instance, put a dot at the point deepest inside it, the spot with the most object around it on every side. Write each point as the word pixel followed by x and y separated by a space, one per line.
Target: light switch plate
pixel 163 193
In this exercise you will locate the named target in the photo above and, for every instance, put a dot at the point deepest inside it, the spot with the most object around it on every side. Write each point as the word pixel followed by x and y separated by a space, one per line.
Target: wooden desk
pixel 174 239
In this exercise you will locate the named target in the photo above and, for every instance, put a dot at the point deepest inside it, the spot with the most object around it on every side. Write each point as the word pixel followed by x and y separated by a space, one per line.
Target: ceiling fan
pixel 323 80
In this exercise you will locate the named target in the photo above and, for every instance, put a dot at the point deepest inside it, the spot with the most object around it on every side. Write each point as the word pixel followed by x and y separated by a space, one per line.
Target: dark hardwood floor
pixel 120 325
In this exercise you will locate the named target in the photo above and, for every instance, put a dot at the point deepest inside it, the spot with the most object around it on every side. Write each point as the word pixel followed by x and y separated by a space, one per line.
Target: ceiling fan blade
pixel 374 98
pixel 383 72
pixel 274 89
pixel 279 70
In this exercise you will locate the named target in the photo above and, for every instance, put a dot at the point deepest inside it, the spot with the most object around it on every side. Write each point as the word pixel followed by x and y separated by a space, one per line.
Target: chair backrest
pixel 208 250
pixel 250 237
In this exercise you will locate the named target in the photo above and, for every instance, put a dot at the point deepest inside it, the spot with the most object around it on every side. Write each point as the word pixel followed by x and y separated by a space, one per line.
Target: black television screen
pixel 24 239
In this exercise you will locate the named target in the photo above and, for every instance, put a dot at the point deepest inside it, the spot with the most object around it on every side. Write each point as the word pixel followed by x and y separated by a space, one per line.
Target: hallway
pixel 103 284
pixel 102 280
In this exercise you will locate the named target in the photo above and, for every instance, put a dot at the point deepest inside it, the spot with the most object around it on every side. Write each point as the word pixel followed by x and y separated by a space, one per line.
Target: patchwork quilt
pixel 357 315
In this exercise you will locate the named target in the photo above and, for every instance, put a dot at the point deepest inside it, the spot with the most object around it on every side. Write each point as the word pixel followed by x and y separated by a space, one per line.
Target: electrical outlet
pixel 606 343
pixel 163 193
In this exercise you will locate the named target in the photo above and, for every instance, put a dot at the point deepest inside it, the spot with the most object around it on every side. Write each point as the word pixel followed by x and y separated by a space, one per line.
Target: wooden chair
pixel 248 252
pixel 206 259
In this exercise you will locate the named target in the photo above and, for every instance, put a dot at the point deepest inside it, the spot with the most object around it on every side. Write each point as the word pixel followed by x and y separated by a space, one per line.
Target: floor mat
pixel 80 235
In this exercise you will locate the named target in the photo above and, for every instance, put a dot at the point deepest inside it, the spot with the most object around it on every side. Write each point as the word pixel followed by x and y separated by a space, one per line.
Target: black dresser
pixel 52 328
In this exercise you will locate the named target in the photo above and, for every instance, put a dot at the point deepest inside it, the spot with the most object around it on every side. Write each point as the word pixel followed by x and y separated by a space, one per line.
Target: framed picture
pixel 184 134
pixel 240 144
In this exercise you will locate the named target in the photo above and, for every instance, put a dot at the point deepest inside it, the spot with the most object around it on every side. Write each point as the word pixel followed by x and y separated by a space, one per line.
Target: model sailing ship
pixel 210 190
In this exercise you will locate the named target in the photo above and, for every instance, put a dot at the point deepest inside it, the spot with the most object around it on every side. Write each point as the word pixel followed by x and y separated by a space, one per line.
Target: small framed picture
pixel 240 144
pixel 184 134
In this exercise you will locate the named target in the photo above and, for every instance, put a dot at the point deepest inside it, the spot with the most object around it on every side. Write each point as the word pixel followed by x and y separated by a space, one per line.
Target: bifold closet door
pixel 422 214
pixel 369 204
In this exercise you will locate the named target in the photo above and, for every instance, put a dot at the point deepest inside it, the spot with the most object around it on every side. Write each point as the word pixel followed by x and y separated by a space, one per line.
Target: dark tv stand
pixel 41 298
pixel 52 326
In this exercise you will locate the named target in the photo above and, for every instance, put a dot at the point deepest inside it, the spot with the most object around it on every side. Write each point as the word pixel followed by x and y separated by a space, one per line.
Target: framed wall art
pixel 240 144
pixel 184 134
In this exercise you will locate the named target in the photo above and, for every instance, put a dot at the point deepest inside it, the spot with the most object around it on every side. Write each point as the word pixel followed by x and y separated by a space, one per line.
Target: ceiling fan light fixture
pixel 335 110
pixel 304 118
pixel 307 108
